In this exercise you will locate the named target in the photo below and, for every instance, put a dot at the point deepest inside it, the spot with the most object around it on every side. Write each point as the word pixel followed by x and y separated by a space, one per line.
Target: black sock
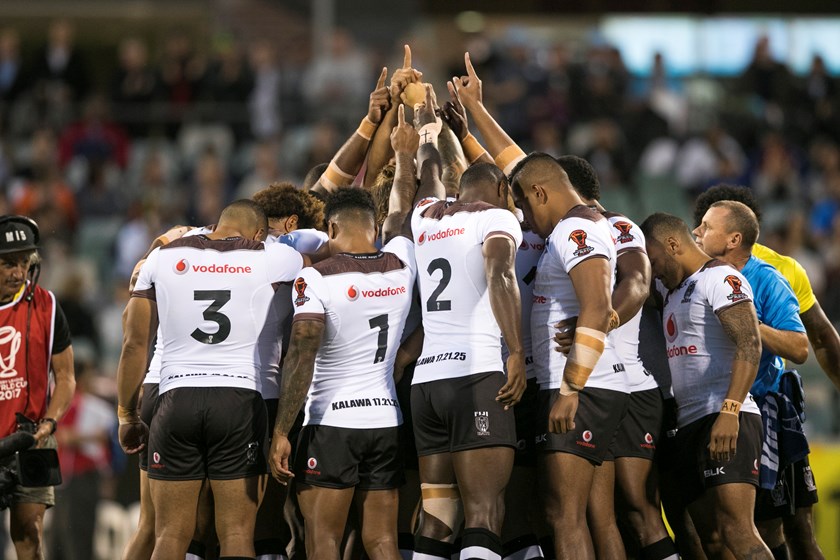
pixel 526 547
pixel 197 549
pixel 429 549
pixel 236 558
pixel 270 548
pixel 780 552
pixel 405 542
pixel 660 550
pixel 547 546
pixel 480 544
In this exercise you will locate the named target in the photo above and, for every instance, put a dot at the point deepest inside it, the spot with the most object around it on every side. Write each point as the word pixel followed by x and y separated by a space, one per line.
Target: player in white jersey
pixel 583 395
pixel 209 365
pixel 713 348
pixel 460 399
pixel 350 310
pixel 638 433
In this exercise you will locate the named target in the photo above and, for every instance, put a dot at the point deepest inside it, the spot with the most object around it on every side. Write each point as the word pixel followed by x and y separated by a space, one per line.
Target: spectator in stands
pixel 264 100
pixel 60 69
pixel 266 170
pixel 209 190
pixel 699 160
pixel 94 137
pixel 158 190
pixel 133 86
pixel 12 73
pixel 227 84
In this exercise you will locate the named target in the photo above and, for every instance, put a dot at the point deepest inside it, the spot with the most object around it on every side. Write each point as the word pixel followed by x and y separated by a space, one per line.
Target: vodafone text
pixel 674 351
pixel 222 269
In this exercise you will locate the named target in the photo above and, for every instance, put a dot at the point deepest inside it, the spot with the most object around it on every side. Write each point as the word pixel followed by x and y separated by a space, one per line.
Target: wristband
pixel 615 320
pixel 51 421
pixel 472 149
pixel 730 406
pixel 567 390
pixel 127 415
pixel 366 128
pixel 508 158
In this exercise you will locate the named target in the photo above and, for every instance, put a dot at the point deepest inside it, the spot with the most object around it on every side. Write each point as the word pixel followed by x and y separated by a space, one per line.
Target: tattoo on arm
pixel 741 326
pixel 297 373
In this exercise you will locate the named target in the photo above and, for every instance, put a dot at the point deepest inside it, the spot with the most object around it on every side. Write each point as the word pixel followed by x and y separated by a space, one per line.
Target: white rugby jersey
pixel 527 257
pixel 582 234
pixel 213 299
pixel 363 301
pixel 462 335
pixel 699 351
pixel 628 238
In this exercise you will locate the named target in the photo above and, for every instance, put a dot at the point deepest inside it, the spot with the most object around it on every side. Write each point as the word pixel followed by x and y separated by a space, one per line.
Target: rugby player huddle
pixel 445 360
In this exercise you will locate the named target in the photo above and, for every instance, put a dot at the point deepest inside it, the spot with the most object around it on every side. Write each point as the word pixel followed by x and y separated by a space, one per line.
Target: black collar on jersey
pixel 363 256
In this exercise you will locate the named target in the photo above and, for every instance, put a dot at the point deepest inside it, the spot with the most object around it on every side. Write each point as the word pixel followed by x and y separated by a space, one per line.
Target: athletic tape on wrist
pixel 127 415
pixel 730 406
pixel 472 149
pixel 429 133
pixel 366 128
pixel 586 350
pixel 567 390
pixel 335 176
pixel 615 320
pixel 508 158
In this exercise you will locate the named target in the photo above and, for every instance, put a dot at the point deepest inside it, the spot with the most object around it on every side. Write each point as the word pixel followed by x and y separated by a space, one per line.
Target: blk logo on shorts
pixel 808 476
pixel 251 453
pixel 482 423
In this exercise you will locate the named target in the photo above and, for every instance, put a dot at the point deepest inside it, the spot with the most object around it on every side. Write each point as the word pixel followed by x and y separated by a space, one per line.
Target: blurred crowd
pixel 106 160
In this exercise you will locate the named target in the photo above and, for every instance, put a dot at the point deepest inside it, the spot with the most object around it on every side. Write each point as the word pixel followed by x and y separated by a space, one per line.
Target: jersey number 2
pixel 433 303
pixel 219 298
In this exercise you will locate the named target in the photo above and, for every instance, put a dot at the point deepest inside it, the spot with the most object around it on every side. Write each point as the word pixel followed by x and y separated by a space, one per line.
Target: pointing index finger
pixel 401 115
pixel 380 83
pixel 470 70
pixel 407 57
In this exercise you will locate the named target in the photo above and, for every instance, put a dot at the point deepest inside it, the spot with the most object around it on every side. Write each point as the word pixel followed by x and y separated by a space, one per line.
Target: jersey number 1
pixel 219 298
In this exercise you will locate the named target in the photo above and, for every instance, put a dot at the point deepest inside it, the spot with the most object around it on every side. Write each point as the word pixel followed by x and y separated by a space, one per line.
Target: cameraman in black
pixel 34 340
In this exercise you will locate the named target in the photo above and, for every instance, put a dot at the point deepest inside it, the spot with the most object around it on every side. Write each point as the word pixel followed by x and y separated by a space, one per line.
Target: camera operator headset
pixel 34 341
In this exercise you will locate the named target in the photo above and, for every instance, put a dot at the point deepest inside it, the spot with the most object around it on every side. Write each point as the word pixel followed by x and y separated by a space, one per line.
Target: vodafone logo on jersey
pixel 182 266
pixel 353 292
pixel 441 234
pixel 671 330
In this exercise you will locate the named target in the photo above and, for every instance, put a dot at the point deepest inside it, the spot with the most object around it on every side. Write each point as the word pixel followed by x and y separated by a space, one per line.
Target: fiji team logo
pixel 671 330
pixel 353 293
pixel 182 266
pixel 422 238
pixel 689 290
pixel 482 423
pixel 251 452
pixel 624 235
pixel 735 283
pixel 300 290
pixel 578 237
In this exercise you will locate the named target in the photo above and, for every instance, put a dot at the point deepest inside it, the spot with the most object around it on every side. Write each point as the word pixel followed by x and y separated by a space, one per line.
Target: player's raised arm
pixel 428 157
pixel 504 150
pixel 347 162
pixel 297 376
pixel 380 148
pixel 405 141
pixel 499 259
pixel 455 117
pixel 741 326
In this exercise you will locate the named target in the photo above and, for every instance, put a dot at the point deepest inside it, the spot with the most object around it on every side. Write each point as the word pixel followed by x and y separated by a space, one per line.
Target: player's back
pixel 213 298
pixel 462 336
pixel 363 300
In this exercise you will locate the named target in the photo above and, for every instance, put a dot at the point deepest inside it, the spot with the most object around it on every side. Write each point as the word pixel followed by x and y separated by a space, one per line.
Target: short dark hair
pixel 660 225
pixel 541 158
pixel 347 199
pixel 582 176
pixel 741 220
pixel 477 173
pixel 246 212
pixel 313 175
pixel 744 195
pixel 281 200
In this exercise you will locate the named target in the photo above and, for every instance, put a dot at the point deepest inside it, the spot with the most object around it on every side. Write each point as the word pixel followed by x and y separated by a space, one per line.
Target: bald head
pixel 660 226
pixel 244 216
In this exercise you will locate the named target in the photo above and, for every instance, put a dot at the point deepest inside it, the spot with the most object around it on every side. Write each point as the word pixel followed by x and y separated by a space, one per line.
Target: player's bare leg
pixel 568 480
pixel 732 506
pixel 142 542
pixel 204 540
pixel 600 513
pixel 294 521
pixel 799 532
pixel 325 515
pixel 637 481
pixel 436 469
pixel 378 517
pixel 236 502
pixel 175 506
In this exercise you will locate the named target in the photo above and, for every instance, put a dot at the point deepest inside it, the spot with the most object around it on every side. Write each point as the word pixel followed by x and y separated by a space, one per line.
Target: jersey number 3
pixel 219 299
